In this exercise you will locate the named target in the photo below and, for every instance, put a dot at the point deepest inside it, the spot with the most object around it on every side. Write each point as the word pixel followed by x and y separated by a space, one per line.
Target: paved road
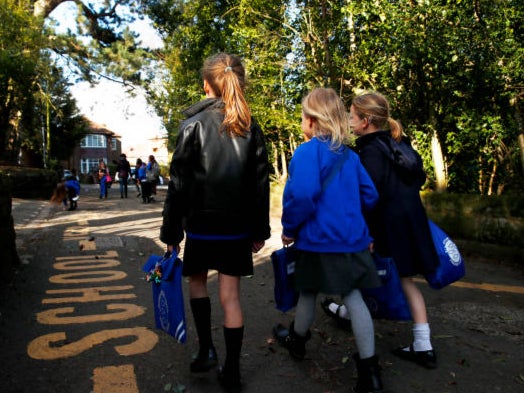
pixel 78 318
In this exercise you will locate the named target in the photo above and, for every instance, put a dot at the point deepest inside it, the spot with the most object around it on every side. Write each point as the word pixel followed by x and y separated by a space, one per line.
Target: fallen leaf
pixel 179 388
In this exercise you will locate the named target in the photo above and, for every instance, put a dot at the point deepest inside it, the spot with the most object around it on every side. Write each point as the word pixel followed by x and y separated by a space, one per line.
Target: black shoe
pixel 295 344
pixel 201 364
pixel 368 372
pixel 427 359
pixel 343 323
pixel 281 333
pixel 230 381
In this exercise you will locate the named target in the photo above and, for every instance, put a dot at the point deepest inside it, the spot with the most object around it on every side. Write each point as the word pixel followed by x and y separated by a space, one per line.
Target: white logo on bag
pixel 163 311
pixel 452 251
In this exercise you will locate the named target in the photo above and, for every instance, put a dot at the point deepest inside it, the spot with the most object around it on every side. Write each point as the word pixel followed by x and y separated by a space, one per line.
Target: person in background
pixel 153 175
pixel 145 184
pixel 138 165
pixel 324 219
pixel 123 169
pixel 399 223
pixel 218 195
pixel 72 186
pixel 67 191
pixel 103 178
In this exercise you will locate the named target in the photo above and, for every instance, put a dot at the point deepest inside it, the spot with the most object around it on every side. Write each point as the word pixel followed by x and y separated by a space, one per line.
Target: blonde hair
pixel 332 120
pixel 226 76
pixel 375 107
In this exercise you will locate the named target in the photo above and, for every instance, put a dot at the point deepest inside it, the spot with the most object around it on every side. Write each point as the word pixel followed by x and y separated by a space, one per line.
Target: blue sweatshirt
pixel 329 220
pixel 72 183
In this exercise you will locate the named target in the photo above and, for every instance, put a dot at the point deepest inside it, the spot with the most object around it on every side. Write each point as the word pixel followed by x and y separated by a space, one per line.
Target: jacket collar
pixel 208 103
pixel 365 139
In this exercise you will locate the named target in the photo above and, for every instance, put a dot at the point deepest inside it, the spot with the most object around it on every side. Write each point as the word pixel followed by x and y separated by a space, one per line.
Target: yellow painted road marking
pixel 53 317
pixel 45 347
pixel 83 265
pixel 93 294
pixel 108 254
pixel 94 276
pixel 113 379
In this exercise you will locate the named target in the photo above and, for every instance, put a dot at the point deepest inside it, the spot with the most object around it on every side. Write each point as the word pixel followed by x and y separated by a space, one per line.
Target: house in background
pixel 98 143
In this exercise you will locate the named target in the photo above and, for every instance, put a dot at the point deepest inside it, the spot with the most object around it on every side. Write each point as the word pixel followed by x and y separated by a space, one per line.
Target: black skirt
pixel 335 273
pixel 231 257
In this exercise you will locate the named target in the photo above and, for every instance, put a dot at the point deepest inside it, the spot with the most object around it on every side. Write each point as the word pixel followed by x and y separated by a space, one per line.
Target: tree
pixel 256 30
pixel 25 44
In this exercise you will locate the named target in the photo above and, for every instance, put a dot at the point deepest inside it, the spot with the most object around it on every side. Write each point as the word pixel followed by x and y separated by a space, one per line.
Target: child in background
pixel 145 185
pixel 67 191
pixel 72 186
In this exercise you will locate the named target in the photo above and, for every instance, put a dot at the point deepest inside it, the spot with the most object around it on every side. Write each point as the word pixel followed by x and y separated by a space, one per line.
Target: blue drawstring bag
pixel 451 267
pixel 387 301
pixel 283 261
pixel 165 274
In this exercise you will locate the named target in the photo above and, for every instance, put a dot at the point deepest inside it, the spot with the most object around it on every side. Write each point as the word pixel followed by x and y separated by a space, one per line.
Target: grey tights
pixel 361 322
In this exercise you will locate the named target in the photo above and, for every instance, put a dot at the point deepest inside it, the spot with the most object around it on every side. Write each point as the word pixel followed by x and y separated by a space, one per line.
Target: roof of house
pixel 95 128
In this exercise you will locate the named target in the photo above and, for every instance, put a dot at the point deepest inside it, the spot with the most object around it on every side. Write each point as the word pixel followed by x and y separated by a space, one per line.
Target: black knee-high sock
pixel 201 309
pixel 233 338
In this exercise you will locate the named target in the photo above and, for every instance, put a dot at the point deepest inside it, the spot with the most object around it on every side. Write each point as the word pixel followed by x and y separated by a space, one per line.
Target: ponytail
pixel 395 129
pixel 226 76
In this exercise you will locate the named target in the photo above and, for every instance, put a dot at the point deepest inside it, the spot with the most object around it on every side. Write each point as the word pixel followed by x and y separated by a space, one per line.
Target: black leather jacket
pixel 219 184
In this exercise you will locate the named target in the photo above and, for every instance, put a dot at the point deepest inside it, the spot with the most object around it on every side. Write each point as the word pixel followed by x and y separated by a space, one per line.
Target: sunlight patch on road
pixel 484 286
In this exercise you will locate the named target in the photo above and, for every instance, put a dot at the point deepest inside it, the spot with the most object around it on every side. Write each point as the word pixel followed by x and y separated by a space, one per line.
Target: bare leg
pixel 230 299
pixel 198 286
pixel 415 299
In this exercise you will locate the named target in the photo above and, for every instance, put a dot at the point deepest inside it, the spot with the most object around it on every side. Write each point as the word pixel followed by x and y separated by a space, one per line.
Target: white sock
pixel 342 310
pixel 421 337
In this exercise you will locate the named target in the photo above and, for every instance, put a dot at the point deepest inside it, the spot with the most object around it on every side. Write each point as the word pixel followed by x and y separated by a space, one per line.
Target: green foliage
pixel 453 68
pixel 254 30
pixel 38 115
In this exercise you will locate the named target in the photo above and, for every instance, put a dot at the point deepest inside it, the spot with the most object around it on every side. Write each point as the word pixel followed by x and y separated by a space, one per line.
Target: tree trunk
pixel 275 160
pixel 43 8
pixel 438 163
pixel 521 145
pixel 492 178
pixel 283 161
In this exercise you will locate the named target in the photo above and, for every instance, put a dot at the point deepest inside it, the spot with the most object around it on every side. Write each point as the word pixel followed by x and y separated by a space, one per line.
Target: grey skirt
pixel 335 273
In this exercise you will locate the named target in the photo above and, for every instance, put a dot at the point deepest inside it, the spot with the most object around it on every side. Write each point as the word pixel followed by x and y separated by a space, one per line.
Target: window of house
pixel 94 140
pixel 113 144
pixel 88 165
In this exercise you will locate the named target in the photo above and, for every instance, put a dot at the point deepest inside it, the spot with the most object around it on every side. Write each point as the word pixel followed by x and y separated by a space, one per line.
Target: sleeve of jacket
pixel 261 229
pixel 376 164
pixel 302 189
pixel 368 191
pixel 175 204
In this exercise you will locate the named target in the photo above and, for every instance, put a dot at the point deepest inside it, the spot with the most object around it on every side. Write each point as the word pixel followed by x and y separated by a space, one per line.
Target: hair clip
pixel 228 68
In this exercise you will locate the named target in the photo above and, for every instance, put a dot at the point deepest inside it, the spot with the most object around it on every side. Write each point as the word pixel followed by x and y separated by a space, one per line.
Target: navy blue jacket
pixel 398 223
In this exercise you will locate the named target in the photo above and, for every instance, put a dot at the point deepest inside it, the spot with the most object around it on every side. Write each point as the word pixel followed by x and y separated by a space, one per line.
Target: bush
pixel 32 183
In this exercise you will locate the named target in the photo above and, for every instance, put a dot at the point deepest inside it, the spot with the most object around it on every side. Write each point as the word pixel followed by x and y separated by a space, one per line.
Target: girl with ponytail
pixel 398 223
pixel 218 199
